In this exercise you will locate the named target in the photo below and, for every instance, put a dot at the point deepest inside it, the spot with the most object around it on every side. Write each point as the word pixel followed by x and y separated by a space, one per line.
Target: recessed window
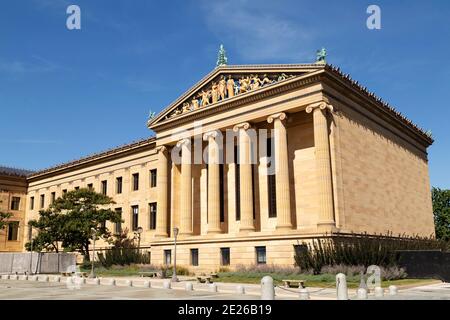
pixel 152 212
pixel 90 187
pixel 13 231
pixel 167 257
pixel 77 188
pixel 53 196
pixel 42 201
pixel 119 185
pixel 271 183
pixel 225 256
pixel 118 226
pixel 64 191
pixel 260 255
pixel 153 178
pixel 135 217
pixel 194 257
pixel 32 203
pixel 15 203
pixel 104 187
pixel 135 181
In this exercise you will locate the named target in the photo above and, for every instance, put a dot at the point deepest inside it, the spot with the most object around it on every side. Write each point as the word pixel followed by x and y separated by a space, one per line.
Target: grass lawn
pixel 322 280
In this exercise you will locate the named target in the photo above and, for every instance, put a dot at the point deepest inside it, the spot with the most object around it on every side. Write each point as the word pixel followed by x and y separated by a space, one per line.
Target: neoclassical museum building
pixel 252 160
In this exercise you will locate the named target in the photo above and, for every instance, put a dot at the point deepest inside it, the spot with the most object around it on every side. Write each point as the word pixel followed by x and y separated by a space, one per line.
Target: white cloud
pixel 258 33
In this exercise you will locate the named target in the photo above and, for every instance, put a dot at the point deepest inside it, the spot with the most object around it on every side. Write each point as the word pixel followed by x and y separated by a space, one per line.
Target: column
pixel 213 181
pixel 323 165
pixel 185 188
pixel 245 183
pixel 162 183
pixel 283 195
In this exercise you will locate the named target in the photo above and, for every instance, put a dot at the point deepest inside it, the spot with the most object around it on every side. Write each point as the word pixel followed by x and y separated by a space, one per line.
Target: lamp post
pixel 94 236
pixel 174 275
pixel 31 249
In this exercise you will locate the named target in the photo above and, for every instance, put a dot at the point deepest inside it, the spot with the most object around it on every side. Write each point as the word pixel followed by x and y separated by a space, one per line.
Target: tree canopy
pixel 4 219
pixel 441 211
pixel 69 220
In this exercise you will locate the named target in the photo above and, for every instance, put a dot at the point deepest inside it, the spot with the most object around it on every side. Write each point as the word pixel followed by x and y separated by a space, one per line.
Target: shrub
pixel 359 250
pixel 123 252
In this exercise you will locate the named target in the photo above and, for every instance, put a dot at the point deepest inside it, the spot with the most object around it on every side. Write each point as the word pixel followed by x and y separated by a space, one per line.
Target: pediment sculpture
pixel 226 87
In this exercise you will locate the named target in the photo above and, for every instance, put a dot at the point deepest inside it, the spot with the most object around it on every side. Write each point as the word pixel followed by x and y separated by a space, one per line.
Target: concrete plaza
pixel 43 290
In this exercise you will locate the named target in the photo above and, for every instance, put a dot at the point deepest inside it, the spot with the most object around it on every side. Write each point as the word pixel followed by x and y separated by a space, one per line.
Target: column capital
pixel 321 105
pixel 211 134
pixel 185 141
pixel 161 149
pixel 281 115
pixel 243 125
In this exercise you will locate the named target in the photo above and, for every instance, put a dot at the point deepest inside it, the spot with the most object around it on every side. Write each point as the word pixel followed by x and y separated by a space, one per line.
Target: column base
pixel 161 235
pixel 247 229
pixel 284 227
pixel 326 226
pixel 214 231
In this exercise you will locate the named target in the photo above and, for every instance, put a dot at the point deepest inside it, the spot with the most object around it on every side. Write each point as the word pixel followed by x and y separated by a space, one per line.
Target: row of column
pixel 283 194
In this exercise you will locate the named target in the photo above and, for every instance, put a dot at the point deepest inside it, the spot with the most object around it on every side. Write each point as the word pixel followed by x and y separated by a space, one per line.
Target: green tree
pixel 70 219
pixel 4 219
pixel 441 211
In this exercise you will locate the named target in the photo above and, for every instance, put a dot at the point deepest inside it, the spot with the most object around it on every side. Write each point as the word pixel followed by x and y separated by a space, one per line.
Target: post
pixel 267 289
pixel 341 287
pixel 174 275
pixel 94 233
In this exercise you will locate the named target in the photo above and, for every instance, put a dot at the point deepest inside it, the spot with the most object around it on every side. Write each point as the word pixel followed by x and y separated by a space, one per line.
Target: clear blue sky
pixel 66 94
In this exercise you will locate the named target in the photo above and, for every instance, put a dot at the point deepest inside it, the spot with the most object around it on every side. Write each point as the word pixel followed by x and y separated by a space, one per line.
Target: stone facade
pixel 13 189
pixel 344 162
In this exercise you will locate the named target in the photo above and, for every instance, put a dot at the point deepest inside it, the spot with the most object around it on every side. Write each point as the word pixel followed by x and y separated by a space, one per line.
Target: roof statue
pixel 222 59
pixel 321 56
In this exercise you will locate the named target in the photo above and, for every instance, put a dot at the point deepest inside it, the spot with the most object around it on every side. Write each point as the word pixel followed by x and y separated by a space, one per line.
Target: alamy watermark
pixel 373 22
pixel 73 21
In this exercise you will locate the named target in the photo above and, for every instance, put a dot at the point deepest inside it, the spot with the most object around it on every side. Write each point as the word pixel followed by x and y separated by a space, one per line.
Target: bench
pixel 296 283
pixel 152 274
pixel 207 279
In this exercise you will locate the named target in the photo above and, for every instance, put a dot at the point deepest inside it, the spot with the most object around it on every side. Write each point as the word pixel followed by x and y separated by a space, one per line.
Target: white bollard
pixel 13 277
pixel 267 288
pixel 24 277
pixel 362 294
pixel 147 284
pixel 304 294
pixel 189 286
pixel 167 284
pixel 128 283
pixel 55 279
pixel 393 290
pixel 213 287
pixel 33 278
pixel 43 279
pixel 240 290
pixel 5 277
pixel 78 280
pixel 379 292
pixel 341 287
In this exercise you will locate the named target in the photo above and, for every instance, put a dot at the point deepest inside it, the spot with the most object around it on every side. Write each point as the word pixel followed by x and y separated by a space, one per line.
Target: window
pixel 222 192
pixel 167 257
pixel 118 226
pixel 225 256
pixel 119 185
pixel 90 187
pixel 64 191
pixel 152 212
pixel 104 187
pixel 194 257
pixel 13 231
pixel 32 203
pixel 135 181
pixel 271 184
pixel 152 178
pixel 42 201
pixel 15 203
pixel 53 196
pixel 77 188
pixel 260 255
pixel 135 217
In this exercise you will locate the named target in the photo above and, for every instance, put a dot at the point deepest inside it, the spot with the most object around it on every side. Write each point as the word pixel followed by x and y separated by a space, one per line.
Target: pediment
pixel 229 82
